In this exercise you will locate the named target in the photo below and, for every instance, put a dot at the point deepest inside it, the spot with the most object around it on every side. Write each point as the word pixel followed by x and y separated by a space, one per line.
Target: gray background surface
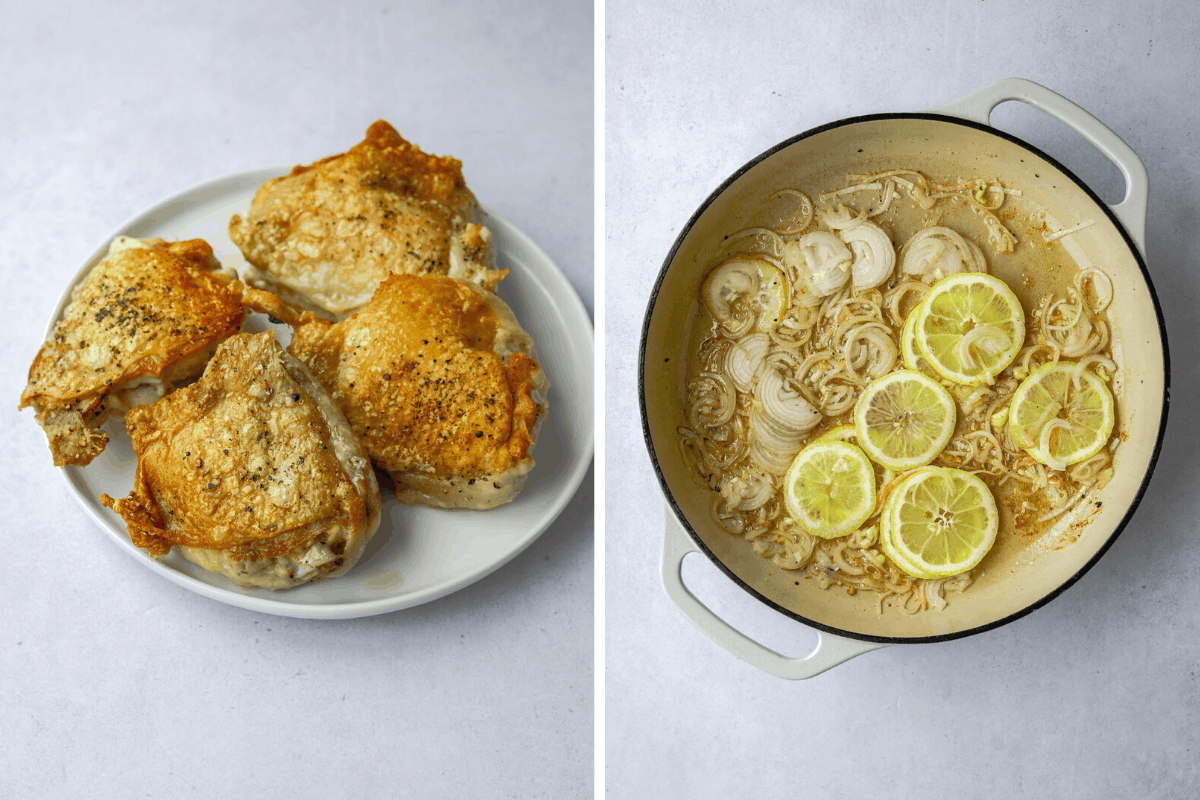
pixel 1094 695
pixel 117 683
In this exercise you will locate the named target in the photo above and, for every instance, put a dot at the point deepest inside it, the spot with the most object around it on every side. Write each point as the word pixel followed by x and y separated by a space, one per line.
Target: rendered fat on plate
pixel 251 472
pixel 325 236
pixel 440 383
pixel 144 320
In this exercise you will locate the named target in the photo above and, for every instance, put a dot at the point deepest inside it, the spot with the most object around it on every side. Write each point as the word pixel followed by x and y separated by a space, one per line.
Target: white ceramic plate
pixel 419 554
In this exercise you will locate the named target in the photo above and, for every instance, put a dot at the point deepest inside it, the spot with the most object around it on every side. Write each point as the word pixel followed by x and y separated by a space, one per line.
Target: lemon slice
pixel 904 419
pixel 969 327
pixel 744 286
pixel 830 489
pixel 908 345
pixel 1056 423
pixel 939 522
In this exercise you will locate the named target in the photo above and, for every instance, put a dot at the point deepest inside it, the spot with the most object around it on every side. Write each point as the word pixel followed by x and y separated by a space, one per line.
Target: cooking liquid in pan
pixel 1033 269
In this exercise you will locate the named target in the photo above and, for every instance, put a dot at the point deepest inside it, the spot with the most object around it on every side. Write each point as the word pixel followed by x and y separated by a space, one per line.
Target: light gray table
pixel 116 683
pixel 1095 695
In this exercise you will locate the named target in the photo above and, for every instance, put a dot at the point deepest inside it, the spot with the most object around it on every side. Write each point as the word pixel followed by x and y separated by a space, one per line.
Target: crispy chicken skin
pixel 251 472
pixel 144 320
pixel 440 384
pixel 324 236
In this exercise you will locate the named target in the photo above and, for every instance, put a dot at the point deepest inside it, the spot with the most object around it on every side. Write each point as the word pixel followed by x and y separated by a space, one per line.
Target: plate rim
pixel 554 282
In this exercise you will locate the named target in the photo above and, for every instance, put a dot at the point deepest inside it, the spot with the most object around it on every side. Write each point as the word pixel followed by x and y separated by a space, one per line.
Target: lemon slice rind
pixel 908 345
pixel 842 433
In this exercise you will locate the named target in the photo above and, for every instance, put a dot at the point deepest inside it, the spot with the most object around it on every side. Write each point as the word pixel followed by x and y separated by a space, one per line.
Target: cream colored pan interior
pixel 1022 575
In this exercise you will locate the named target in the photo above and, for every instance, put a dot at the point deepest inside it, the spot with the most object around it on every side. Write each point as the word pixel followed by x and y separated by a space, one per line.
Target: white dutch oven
pixel 954 140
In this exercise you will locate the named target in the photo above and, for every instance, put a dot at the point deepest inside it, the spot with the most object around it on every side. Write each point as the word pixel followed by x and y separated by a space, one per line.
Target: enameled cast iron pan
pixel 957 141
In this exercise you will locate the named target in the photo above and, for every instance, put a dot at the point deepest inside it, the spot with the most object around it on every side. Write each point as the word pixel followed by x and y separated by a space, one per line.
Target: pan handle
pixel 831 650
pixel 978 105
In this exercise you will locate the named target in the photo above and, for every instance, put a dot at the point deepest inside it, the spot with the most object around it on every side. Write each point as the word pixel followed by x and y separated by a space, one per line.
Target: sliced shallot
pixel 934 253
pixel 874 256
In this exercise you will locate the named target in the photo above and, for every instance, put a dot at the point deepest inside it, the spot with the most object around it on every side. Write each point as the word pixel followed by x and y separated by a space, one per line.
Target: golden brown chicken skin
pixel 251 472
pixel 324 236
pixel 144 320
pixel 440 383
